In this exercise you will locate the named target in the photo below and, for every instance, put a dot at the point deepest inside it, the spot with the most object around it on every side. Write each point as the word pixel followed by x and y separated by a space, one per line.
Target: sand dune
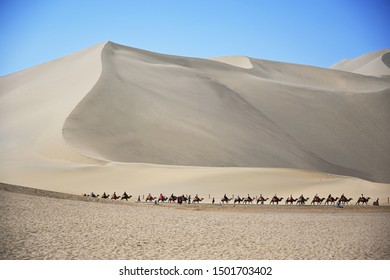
pixel 117 118
pixel 373 64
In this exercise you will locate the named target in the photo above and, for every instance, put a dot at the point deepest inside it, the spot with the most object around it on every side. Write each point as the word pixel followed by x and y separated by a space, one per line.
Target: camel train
pixel 330 200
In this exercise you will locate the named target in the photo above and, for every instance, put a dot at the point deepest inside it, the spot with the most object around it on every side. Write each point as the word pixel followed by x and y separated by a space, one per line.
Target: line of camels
pixel 330 200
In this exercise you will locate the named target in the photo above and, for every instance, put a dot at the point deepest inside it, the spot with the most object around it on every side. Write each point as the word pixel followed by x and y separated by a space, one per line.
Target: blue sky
pixel 318 33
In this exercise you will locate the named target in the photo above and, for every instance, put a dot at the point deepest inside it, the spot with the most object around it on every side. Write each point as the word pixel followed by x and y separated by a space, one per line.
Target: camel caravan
pixel 301 200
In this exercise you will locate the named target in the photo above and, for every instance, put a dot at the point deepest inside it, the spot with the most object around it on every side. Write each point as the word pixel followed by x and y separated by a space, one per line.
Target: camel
pixel 238 200
pixel 126 196
pixel 223 200
pixel 344 200
pixel 172 199
pixel 376 203
pixel 248 200
pixel 362 200
pixel 302 200
pixel 262 200
pixel 90 195
pixel 275 199
pixel 331 199
pixel 197 199
pixel 317 200
pixel 105 195
pixel 291 200
pixel 150 198
pixel 115 197
pixel 162 199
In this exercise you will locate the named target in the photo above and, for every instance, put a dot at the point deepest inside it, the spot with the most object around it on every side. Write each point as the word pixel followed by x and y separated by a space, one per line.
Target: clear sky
pixel 312 32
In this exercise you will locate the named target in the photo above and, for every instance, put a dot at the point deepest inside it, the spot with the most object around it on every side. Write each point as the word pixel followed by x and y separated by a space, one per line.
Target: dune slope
pixel 161 109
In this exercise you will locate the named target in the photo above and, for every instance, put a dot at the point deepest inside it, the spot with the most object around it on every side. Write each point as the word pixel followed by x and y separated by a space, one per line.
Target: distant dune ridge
pixel 374 64
pixel 111 111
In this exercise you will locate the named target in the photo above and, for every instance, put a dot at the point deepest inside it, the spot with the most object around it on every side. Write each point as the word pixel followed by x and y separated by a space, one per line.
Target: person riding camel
pixel 93 195
pixel 161 197
pixel 330 195
pixel 225 196
pixel 261 196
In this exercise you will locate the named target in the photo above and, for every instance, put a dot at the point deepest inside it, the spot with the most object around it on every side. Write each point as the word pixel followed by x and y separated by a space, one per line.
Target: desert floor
pixel 37 224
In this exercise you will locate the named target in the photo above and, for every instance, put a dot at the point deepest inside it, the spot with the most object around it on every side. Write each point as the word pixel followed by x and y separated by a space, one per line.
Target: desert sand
pixel 115 118
pixel 48 225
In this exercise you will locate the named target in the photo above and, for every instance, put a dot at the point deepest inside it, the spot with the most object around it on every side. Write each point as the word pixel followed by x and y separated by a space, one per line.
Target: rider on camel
pixel 225 196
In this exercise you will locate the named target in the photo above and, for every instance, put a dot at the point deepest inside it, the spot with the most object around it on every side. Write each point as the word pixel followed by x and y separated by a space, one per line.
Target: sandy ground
pixel 38 224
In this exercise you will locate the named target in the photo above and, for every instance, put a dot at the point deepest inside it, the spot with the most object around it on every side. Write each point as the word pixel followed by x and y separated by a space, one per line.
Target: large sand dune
pixel 118 118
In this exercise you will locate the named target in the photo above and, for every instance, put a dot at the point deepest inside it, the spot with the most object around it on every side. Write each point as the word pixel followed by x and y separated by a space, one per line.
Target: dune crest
pixel 238 61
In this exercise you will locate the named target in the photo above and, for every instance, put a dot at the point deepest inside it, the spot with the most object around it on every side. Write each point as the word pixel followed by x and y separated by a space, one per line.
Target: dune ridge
pixel 113 117
pixel 374 64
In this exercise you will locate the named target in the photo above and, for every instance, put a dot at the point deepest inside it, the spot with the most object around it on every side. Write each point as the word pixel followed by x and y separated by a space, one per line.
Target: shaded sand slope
pixel 162 109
